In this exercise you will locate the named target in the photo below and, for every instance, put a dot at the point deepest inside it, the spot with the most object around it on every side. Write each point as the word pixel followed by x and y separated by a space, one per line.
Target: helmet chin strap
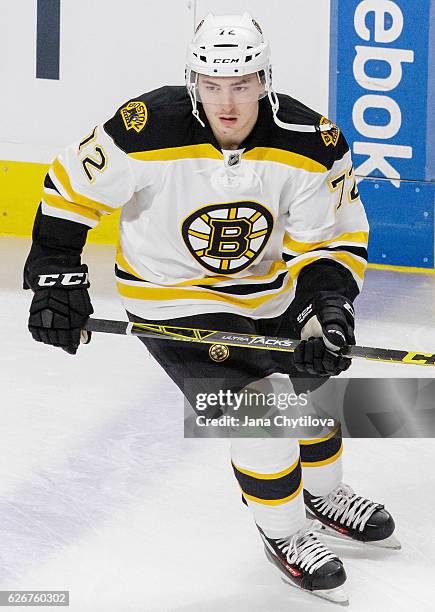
pixel 294 127
pixel 195 111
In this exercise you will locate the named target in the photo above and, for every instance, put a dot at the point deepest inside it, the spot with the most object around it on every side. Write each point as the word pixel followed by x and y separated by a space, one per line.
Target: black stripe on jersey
pixel 311 453
pixel 249 288
pixel 126 276
pixel 230 289
pixel 270 488
pixel 49 184
pixel 359 251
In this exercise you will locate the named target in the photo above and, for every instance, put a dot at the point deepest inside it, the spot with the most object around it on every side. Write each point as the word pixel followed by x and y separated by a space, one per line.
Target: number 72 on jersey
pixel 338 184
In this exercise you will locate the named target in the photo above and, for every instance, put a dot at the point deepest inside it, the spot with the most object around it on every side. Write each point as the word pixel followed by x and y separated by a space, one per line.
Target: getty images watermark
pixel 310 408
pixel 269 407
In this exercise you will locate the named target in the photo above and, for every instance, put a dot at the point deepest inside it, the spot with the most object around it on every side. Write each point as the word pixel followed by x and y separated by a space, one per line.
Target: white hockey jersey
pixel 206 230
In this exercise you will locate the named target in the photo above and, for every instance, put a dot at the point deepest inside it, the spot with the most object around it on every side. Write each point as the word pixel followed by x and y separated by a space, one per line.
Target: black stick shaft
pixel 270 343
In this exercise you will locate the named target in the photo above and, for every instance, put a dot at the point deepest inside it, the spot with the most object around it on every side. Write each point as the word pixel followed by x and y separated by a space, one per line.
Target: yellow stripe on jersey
pixel 303 247
pixel 63 178
pixel 296 265
pixel 199 151
pixel 208 151
pixel 60 202
pixel 171 293
pixel 268 476
pixel 213 280
pixel 352 262
pixel 284 157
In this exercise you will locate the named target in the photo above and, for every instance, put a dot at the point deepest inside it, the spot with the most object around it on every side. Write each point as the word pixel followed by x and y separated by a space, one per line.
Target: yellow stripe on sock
pixel 318 440
pixel 268 476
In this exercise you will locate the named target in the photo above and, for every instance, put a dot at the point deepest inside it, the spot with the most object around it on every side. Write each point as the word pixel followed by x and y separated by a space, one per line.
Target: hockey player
pixel 240 213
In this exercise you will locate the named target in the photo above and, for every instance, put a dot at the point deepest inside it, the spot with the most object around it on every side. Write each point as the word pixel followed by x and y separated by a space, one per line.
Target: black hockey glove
pixel 60 306
pixel 326 325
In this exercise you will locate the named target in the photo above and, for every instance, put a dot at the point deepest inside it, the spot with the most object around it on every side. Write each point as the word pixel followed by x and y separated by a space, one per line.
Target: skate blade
pixel 337 595
pixel 391 543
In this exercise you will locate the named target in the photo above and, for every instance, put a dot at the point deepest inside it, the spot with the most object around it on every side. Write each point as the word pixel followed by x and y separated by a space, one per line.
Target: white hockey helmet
pixel 227 46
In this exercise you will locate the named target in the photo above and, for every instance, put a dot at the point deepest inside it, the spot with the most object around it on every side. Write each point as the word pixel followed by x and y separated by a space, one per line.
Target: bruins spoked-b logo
pixel 219 352
pixel 226 238
pixel 134 115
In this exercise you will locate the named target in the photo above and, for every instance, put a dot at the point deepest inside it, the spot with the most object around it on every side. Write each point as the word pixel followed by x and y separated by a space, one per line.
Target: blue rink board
pixel 401 224
pixel 401 218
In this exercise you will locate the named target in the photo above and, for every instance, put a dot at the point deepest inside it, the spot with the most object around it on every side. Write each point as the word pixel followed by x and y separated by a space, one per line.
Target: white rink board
pixel 111 51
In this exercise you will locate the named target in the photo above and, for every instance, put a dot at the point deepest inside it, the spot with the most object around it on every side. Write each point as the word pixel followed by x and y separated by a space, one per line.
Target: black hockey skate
pixel 345 515
pixel 307 564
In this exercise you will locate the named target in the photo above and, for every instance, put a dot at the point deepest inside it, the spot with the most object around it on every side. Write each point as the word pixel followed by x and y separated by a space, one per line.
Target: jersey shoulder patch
pixel 151 121
pixel 135 115
pixel 331 136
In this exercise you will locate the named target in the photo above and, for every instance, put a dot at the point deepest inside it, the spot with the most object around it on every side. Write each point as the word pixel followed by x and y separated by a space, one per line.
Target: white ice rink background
pixel 101 495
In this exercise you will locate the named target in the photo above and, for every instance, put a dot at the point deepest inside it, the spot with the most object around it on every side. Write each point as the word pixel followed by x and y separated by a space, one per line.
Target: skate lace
pixel 343 505
pixel 305 549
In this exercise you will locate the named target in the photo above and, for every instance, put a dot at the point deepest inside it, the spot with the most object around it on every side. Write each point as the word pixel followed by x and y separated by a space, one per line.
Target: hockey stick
pixel 270 343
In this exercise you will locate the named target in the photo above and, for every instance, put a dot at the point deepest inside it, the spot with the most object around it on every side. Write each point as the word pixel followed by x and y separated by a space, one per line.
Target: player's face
pixel 231 105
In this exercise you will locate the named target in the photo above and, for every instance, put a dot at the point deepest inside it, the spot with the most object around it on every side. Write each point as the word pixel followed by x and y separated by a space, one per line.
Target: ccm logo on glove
pixel 66 279
pixel 304 314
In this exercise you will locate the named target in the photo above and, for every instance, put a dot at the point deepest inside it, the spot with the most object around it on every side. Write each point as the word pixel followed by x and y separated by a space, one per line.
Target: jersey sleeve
pixel 326 231
pixel 87 180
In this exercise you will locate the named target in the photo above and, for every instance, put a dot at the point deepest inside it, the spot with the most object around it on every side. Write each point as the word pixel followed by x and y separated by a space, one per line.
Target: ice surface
pixel 100 494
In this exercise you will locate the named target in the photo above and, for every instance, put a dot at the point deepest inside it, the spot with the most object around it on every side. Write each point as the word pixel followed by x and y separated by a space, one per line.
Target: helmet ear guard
pixel 192 91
